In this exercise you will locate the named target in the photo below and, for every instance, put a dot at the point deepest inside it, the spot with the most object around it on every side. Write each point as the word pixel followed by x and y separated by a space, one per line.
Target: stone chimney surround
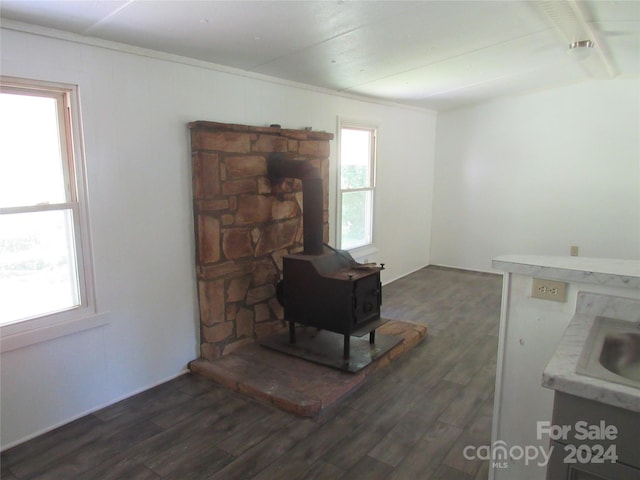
pixel 244 225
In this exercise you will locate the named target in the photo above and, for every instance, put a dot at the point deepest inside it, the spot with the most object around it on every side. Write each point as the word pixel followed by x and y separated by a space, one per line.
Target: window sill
pixel 366 253
pixel 12 338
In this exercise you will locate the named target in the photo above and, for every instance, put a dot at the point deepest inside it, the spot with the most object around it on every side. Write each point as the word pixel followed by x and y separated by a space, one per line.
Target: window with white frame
pixel 44 246
pixel 357 183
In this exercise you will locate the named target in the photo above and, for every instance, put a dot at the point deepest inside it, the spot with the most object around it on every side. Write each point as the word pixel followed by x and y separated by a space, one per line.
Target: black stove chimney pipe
pixel 279 167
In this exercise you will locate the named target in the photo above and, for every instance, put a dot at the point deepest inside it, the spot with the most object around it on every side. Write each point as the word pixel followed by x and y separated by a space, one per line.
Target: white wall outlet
pixel 549 290
pixel 574 250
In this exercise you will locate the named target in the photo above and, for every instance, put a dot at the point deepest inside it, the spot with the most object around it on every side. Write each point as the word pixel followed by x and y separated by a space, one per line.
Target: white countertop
pixel 600 271
pixel 560 373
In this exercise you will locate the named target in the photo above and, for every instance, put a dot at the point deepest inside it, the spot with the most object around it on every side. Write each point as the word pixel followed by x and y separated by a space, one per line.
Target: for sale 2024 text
pixel 583 431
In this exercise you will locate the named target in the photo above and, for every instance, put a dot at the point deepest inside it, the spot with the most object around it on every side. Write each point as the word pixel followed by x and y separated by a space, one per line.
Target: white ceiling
pixel 432 54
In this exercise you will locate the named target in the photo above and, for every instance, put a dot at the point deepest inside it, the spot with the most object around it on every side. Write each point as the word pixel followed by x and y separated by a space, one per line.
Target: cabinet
pixel 575 457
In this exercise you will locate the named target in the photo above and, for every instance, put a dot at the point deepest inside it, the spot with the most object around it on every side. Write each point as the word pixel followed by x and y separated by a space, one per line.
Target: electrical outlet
pixel 549 290
pixel 574 250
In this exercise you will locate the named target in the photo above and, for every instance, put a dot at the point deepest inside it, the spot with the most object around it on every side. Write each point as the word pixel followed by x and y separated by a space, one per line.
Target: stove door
pixel 367 299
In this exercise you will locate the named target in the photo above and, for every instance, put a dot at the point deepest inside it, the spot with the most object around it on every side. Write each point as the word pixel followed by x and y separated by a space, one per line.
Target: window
pixel 357 183
pixel 44 245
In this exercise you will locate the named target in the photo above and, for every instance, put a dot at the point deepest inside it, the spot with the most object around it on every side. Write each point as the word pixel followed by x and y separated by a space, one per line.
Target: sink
pixel 620 354
pixel 612 352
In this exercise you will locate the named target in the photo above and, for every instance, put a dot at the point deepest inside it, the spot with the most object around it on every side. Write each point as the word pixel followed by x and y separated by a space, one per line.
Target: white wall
pixel 537 173
pixel 135 111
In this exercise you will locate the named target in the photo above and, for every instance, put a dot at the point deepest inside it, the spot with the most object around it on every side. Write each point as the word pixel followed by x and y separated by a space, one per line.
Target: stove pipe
pixel 279 167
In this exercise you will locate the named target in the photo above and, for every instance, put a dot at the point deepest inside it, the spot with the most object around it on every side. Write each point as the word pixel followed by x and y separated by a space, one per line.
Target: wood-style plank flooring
pixel 410 421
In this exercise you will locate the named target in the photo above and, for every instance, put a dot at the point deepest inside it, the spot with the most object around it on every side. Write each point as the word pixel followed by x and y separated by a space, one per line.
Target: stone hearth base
pixel 327 348
pixel 295 385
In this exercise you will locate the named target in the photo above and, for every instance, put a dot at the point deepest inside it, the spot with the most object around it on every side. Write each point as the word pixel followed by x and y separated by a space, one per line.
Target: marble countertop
pixel 599 271
pixel 560 373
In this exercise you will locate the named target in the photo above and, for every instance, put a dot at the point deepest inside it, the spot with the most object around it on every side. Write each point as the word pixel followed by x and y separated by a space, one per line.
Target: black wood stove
pixel 323 287
pixel 331 291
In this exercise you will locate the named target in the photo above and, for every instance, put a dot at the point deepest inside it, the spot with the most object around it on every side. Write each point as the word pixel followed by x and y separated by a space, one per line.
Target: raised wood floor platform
pixel 296 385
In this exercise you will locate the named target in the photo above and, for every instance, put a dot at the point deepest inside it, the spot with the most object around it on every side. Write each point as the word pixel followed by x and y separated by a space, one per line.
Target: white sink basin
pixel 612 352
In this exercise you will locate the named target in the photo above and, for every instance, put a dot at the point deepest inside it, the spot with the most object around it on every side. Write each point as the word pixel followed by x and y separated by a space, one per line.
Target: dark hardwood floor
pixel 411 420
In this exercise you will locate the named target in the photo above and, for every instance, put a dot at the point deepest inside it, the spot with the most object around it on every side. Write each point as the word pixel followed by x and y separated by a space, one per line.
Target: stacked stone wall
pixel 244 225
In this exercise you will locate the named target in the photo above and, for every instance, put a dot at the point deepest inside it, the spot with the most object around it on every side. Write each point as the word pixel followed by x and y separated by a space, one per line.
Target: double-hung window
pixel 44 245
pixel 357 183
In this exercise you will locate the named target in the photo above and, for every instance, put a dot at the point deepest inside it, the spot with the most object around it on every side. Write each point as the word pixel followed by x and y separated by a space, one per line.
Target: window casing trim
pixel 27 331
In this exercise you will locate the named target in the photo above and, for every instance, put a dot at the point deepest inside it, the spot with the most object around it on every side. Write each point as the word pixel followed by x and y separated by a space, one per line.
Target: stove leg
pixel 372 337
pixel 347 346
pixel 292 332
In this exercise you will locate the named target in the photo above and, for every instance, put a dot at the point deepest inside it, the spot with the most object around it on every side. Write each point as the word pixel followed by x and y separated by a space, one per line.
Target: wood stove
pixel 323 287
pixel 331 291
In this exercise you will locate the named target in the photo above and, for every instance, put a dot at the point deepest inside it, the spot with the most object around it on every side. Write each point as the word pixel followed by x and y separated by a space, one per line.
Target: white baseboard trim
pixel 457 267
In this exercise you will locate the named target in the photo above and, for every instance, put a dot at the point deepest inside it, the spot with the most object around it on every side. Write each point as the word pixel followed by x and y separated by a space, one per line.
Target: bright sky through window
pixel 38 267
pixel 30 151
pixel 356 186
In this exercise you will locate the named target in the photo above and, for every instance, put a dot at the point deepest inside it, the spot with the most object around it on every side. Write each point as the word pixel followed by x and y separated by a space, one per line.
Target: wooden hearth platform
pixel 296 385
